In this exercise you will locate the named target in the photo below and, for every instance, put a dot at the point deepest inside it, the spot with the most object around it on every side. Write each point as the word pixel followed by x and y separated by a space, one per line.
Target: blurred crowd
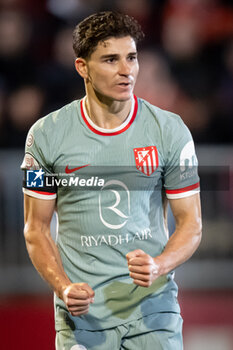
pixel 186 61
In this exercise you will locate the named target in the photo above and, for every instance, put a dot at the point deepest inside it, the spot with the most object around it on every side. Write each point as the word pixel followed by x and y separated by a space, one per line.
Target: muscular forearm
pixel 180 247
pixel 144 269
pixel 187 236
pixel 46 259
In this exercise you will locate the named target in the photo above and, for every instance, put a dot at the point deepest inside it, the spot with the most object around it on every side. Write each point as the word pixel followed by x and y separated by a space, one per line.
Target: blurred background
pixel 186 66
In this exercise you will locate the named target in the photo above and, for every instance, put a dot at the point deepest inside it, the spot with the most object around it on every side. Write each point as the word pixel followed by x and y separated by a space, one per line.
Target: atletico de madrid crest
pixel 147 160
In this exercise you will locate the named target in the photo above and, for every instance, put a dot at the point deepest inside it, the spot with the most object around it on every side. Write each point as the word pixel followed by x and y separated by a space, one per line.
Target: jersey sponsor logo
pixel 35 178
pixel 117 239
pixel 29 162
pixel 30 140
pixel 69 171
pixel 147 160
pixel 114 208
pixel 188 158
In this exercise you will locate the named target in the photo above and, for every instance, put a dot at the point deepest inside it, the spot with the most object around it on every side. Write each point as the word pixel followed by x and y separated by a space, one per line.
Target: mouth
pixel 125 84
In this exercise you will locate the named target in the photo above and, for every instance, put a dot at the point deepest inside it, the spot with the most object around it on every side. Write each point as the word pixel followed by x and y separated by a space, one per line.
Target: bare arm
pixel 187 236
pixel 46 258
pixel 182 244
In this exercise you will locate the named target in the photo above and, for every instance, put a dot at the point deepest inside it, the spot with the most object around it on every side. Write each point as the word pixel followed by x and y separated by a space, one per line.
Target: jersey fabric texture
pixel 130 169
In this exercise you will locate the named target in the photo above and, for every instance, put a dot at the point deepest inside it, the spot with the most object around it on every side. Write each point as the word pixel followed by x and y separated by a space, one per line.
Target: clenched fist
pixel 142 267
pixel 78 297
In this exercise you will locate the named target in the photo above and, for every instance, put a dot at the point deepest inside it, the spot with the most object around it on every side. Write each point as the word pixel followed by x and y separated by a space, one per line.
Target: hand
pixel 142 267
pixel 78 297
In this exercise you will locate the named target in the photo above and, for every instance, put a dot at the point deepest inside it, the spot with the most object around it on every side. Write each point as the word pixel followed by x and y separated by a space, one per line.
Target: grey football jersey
pixel 110 187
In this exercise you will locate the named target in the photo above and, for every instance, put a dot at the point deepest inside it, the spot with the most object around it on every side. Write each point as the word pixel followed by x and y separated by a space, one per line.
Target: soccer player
pixel 108 164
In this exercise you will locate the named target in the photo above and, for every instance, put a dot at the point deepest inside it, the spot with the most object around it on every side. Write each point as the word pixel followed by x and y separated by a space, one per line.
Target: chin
pixel 123 96
pixel 115 96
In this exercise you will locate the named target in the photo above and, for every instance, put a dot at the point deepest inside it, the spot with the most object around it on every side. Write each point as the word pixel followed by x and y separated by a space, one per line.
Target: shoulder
pixel 55 119
pixel 46 135
pixel 171 133
pixel 167 126
pixel 164 118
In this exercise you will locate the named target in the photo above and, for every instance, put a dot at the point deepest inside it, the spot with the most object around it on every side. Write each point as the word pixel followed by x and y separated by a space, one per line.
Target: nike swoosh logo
pixel 69 171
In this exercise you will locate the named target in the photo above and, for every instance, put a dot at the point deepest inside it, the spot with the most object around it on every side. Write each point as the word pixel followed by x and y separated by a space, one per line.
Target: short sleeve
pixel 181 170
pixel 36 165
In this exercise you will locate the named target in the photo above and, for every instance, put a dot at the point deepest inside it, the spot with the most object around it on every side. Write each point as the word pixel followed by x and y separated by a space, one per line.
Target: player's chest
pixel 135 162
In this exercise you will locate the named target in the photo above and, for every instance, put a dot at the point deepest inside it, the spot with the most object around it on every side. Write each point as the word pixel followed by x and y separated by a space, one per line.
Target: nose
pixel 124 68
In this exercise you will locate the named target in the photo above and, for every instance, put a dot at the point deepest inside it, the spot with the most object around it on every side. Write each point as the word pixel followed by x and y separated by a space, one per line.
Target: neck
pixel 105 112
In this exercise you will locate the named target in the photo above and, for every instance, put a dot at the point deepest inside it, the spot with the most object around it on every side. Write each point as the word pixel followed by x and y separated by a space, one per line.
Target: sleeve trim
pixel 183 194
pixel 44 193
pixel 40 195
pixel 184 189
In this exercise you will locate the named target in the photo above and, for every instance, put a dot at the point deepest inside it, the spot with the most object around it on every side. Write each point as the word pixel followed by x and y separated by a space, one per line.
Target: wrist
pixel 61 289
pixel 161 265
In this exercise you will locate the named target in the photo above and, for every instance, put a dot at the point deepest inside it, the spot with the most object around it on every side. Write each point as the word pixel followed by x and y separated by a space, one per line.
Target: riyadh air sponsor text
pixel 113 239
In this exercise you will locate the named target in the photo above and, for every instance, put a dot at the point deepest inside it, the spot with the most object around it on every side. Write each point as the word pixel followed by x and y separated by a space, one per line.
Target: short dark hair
pixel 101 26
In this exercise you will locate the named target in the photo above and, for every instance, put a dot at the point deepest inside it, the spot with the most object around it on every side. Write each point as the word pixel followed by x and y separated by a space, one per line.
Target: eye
pixel 132 58
pixel 111 60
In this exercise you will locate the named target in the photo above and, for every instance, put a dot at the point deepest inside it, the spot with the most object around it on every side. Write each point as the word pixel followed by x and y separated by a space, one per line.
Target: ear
pixel 81 67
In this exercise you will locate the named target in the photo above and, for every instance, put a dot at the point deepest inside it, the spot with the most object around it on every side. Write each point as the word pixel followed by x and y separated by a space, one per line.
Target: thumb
pixel 88 289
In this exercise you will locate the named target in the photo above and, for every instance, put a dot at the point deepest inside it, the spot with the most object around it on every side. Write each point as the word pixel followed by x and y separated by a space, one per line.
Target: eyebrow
pixel 117 55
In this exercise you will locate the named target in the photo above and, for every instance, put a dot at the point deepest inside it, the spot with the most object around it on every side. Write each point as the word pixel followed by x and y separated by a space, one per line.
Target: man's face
pixel 113 68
